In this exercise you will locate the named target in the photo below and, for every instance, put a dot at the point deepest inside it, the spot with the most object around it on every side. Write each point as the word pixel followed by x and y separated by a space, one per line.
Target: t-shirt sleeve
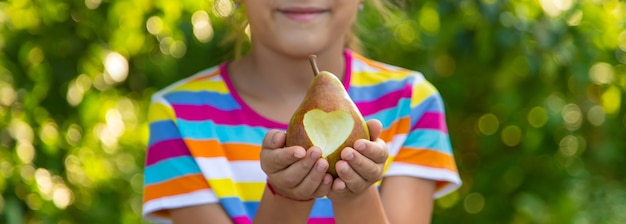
pixel 172 178
pixel 426 151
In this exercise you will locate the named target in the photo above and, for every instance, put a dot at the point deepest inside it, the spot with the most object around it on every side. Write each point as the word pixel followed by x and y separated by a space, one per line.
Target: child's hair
pixel 237 23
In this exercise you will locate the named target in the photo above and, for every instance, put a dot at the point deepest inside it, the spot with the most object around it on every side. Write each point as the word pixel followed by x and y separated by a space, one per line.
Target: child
pixel 216 152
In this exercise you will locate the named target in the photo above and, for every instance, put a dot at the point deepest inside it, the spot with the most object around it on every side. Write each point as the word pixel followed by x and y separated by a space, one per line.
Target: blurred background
pixel 534 92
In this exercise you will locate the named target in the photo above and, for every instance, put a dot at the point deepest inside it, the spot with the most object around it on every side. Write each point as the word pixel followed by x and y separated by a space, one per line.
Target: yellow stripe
pixel 251 191
pixel 372 78
pixel 200 85
pixel 248 191
pixel 421 92
pixel 159 111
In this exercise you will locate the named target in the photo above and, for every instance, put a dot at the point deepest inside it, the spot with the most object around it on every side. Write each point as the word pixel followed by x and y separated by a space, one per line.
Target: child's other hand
pixel 294 172
pixel 361 166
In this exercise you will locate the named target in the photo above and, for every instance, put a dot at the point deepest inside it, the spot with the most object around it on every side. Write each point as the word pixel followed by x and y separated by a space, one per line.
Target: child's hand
pixel 360 166
pixel 294 172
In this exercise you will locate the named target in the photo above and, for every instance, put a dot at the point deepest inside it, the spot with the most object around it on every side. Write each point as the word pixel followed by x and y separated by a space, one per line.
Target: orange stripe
pixel 399 127
pixel 370 62
pixel 426 157
pixel 232 151
pixel 206 76
pixel 242 152
pixel 205 148
pixel 175 186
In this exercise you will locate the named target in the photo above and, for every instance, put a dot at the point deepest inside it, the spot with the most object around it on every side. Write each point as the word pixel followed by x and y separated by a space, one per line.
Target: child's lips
pixel 302 14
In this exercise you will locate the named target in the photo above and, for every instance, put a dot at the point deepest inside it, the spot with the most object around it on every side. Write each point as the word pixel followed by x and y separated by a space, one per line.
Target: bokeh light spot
pixel 429 19
pixel 202 28
pixel 404 33
pixel 223 8
pixel 7 94
pixel 178 49
pixel 92 4
pixel 73 134
pixel 511 135
pixel 44 182
pixel 35 56
pixel 116 67
pixel 572 116
pixel 62 197
pixel 154 25
pixel 537 117
pixel 611 100
pixel 488 124
pixel 568 146
pixel 33 201
pixel 26 152
pixel 474 203
pixel 596 115
pixel 49 133
pixel 601 73
pixel 575 18
pixel 554 8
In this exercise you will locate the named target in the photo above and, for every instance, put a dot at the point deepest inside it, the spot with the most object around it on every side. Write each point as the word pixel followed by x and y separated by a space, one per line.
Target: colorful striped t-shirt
pixel 205 141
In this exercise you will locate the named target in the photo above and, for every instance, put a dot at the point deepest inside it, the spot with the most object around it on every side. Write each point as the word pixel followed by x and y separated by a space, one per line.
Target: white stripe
pixel 248 171
pixel 404 169
pixel 360 66
pixel 177 201
pixel 214 168
pixel 158 96
pixel 395 144
pixel 239 171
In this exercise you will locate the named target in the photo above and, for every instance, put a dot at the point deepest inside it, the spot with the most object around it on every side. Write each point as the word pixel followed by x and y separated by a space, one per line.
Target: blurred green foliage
pixel 534 93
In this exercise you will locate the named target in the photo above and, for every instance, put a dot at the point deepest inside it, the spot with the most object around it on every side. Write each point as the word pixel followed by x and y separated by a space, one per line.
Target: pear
pixel 326 118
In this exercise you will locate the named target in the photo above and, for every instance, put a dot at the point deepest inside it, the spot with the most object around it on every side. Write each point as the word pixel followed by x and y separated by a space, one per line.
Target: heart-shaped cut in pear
pixel 328 130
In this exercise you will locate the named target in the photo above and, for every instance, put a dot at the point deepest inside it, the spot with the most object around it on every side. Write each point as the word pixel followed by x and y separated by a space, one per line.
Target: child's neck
pixel 286 75
pixel 271 84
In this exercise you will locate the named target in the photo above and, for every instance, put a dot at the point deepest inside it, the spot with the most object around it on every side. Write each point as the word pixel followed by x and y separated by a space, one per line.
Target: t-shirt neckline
pixel 261 119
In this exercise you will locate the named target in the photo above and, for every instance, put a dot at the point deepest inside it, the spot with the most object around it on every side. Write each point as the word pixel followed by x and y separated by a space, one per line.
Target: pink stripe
pixel 321 221
pixel 248 112
pixel 389 100
pixel 348 72
pixel 241 220
pixel 165 150
pixel 206 113
pixel 432 120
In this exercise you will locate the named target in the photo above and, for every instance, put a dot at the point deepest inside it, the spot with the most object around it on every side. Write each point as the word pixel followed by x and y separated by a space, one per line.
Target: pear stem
pixel 314 64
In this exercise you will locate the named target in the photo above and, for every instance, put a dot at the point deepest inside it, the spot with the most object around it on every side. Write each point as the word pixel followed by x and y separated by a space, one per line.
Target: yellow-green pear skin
pixel 327 118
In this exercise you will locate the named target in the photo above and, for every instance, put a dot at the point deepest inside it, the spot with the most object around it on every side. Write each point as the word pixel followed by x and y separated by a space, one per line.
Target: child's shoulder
pixel 372 70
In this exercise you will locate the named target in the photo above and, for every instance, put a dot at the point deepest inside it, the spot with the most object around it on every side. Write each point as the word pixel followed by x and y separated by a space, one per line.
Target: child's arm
pixel 354 194
pixel 297 177
pixel 407 199
pixel 206 213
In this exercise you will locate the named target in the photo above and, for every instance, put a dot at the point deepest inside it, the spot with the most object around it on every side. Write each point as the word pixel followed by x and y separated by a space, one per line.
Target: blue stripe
pixel 204 130
pixel 371 93
pixel 234 207
pixel 162 130
pixel 432 103
pixel 429 139
pixel 224 102
pixel 251 207
pixel 322 208
pixel 390 115
pixel 170 168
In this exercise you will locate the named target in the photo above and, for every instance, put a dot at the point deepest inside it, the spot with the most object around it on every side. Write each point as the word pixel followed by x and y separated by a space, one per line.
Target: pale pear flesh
pixel 328 130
